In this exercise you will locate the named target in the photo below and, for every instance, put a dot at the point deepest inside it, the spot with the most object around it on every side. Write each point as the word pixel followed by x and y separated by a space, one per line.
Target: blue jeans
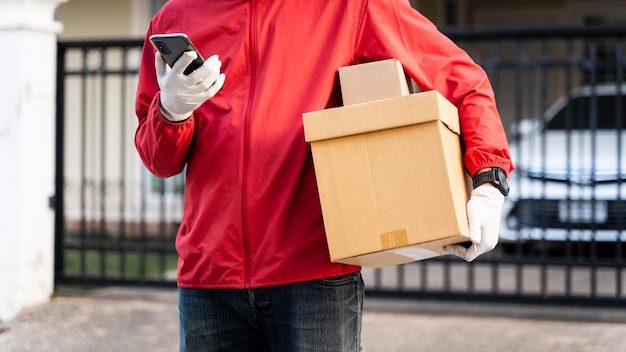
pixel 320 315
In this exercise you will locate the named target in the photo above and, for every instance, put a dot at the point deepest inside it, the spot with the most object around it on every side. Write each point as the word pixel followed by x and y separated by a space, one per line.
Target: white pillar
pixel 28 35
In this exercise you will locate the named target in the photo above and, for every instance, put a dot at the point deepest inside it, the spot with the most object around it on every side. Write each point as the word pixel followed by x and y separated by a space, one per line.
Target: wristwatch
pixel 496 176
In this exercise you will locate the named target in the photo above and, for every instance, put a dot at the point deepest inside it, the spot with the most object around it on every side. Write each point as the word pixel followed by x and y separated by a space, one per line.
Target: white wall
pixel 27 93
pixel 97 19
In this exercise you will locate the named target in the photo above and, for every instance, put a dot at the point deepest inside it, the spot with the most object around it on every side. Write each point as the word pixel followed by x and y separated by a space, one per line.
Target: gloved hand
pixel 182 94
pixel 483 212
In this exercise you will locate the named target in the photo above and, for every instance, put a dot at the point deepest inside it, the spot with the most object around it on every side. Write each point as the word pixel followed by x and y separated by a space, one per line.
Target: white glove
pixel 483 212
pixel 181 94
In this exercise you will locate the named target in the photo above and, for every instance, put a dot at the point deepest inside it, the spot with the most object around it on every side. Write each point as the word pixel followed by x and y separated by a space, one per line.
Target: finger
pixel 159 64
pixel 207 77
pixel 472 252
pixel 474 221
pixel 213 58
pixel 204 76
pixel 185 60
pixel 214 67
pixel 475 232
pixel 456 249
pixel 203 71
pixel 219 83
pixel 467 253
pixel 476 237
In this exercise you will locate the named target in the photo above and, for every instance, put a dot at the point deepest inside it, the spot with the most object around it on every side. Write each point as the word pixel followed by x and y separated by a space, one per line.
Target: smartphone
pixel 172 46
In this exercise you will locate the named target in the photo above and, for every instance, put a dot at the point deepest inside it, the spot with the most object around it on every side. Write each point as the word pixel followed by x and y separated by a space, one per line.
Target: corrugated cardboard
pixel 380 115
pixel 390 175
pixel 372 81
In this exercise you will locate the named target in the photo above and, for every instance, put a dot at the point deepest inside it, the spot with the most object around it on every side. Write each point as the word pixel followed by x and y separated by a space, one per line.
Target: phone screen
pixel 172 46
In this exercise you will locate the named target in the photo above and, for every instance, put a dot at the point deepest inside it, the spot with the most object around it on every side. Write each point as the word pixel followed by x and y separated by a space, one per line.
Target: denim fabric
pixel 320 315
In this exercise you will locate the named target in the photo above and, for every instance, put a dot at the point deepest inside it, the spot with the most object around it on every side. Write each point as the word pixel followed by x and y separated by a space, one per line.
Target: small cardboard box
pixel 372 81
pixel 390 175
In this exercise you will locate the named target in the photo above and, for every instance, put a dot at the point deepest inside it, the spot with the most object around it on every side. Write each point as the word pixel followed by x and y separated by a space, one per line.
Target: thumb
pixel 184 60
pixel 474 220
pixel 159 64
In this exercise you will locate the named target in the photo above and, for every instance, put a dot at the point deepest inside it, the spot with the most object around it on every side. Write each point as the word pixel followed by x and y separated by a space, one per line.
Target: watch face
pixel 496 176
pixel 503 182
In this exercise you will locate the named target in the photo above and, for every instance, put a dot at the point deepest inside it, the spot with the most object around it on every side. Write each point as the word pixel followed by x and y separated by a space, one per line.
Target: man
pixel 254 272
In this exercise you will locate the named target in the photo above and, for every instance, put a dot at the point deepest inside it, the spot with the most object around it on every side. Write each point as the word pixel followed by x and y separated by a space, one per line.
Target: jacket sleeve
pixel 392 29
pixel 162 145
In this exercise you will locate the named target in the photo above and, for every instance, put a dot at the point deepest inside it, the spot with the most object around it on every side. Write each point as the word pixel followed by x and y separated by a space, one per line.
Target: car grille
pixel 545 213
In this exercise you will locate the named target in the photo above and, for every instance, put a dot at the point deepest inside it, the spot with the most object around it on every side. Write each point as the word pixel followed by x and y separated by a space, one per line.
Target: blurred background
pixel 557 68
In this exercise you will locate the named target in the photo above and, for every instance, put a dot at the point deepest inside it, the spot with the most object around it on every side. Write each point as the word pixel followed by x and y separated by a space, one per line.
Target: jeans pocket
pixel 340 280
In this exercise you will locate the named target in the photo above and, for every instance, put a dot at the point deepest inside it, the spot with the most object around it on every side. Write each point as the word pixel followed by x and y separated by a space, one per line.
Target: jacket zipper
pixel 246 147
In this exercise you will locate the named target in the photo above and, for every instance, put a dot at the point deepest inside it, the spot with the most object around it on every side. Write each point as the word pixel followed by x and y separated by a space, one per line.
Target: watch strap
pixel 496 176
pixel 484 177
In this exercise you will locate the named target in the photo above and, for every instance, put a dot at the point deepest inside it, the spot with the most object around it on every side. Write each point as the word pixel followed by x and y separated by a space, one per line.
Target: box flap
pixel 380 115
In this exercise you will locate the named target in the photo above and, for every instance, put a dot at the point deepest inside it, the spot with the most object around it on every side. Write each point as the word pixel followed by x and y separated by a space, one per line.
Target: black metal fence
pixel 115 224
pixel 562 235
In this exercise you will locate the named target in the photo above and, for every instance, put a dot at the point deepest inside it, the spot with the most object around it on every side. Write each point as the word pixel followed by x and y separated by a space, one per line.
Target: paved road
pixel 124 319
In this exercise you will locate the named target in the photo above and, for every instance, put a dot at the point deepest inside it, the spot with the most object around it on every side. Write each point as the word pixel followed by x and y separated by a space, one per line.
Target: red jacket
pixel 252 215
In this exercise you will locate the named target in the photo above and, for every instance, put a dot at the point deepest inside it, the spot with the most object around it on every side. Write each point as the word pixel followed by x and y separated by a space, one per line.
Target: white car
pixel 570 177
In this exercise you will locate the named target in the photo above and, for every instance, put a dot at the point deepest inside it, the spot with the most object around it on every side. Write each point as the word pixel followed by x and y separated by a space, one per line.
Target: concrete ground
pixel 132 319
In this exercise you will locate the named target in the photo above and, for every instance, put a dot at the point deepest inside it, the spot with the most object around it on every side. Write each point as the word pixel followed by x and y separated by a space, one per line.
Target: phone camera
pixel 163 49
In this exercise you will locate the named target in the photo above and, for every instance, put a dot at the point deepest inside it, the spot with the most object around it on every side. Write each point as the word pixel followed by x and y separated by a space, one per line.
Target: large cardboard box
pixel 390 175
